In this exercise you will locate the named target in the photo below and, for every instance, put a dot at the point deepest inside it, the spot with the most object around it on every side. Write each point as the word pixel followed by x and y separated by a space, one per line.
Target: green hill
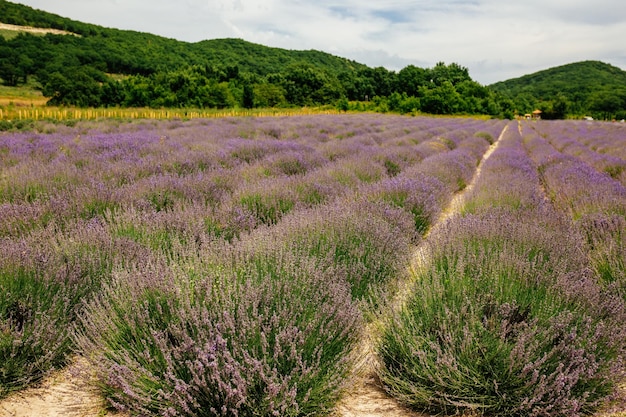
pixel 588 87
pixel 130 52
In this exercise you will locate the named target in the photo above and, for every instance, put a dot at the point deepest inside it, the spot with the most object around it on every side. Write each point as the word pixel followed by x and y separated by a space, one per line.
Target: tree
pixel 357 86
pixel 111 93
pixel 268 95
pixel 343 104
pixel 453 73
pixel 248 96
pixel 411 78
pixel 136 91
pixel 299 82
pixel 395 100
pixel 560 107
pixel 443 99
pixel 525 103
pixel 215 95
pixel 306 85
pixel 14 67
pixel 606 103
pixel 77 86
pixel 554 109
pixel 383 81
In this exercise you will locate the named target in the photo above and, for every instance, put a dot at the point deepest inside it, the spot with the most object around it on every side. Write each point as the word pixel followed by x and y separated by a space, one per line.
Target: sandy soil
pixel 65 393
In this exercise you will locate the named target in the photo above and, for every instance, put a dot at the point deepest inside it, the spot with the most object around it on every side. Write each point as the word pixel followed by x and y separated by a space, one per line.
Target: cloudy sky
pixel 495 39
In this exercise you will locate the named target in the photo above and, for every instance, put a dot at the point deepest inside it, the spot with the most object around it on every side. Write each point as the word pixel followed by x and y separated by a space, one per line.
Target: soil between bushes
pixel 368 398
pixel 65 393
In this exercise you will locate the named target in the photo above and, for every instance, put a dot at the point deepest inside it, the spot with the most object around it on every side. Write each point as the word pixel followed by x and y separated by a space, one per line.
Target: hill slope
pixel 130 52
pixel 588 86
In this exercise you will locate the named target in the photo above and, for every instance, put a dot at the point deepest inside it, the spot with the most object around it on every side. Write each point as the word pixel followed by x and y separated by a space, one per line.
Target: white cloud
pixel 496 40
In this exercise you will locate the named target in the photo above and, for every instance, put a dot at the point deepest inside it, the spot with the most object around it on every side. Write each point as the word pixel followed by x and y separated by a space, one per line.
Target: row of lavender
pixel 600 145
pixel 221 265
pixel 512 316
pixel 594 198
pixel 244 173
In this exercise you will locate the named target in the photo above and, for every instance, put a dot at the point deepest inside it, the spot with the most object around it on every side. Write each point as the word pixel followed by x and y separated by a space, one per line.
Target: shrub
pixel 370 242
pixel 485 135
pixel 420 195
pixel 261 334
pixel 266 208
pixel 43 281
pixel 606 244
pixel 268 200
pixel 31 343
pixel 489 329
pixel 454 168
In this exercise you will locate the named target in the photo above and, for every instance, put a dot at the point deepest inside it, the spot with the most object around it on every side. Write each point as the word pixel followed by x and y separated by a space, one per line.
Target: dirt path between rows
pixel 367 398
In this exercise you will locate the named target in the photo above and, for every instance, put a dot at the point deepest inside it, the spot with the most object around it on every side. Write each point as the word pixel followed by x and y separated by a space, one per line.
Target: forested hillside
pixel 110 67
pixel 582 88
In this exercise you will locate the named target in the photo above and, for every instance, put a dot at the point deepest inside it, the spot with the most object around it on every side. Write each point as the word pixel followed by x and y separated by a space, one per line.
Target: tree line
pixel 70 75
pixel 110 67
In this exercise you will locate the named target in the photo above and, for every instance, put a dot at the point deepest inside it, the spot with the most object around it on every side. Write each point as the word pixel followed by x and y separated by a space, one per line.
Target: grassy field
pixel 19 97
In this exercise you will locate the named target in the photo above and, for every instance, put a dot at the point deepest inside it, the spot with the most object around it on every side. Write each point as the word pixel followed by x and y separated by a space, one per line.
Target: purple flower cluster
pixel 573 184
pixel 45 276
pixel 262 333
pixel 508 179
pixel 600 145
pixel 579 184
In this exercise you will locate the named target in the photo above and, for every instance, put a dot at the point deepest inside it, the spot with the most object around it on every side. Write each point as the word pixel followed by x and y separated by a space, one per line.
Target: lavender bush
pixel 455 168
pixel 262 334
pixel 599 145
pixel 594 200
pixel 368 242
pixel 44 279
pixel 574 185
pixel 488 329
pixel 243 250
pixel 420 195
pixel 509 179
pixel 606 243
pixel 30 344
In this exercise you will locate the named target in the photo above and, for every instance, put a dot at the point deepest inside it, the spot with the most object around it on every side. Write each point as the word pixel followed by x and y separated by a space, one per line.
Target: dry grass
pixel 33 30
pixel 32 109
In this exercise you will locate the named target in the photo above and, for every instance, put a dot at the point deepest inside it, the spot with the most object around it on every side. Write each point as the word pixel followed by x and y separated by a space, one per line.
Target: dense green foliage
pixel 110 67
pixel 582 88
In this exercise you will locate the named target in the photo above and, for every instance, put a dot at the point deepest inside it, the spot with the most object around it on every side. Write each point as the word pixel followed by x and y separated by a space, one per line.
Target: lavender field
pixel 232 266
